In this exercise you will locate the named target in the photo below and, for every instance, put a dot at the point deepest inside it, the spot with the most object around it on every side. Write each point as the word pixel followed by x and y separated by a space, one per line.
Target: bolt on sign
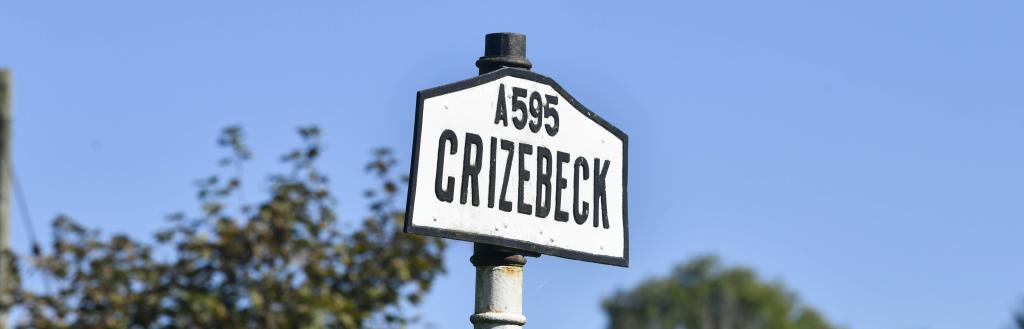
pixel 510 158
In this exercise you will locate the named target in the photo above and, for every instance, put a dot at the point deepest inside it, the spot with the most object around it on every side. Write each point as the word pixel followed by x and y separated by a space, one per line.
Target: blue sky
pixel 867 154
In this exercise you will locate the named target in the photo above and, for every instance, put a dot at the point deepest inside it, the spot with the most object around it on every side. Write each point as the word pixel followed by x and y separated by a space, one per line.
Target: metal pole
pixel 499 288
pixel 499 271
pixel 5 189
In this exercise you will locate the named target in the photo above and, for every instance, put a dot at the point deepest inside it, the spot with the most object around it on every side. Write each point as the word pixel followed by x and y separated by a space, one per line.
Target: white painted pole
pixel 499 271
pixel 499 289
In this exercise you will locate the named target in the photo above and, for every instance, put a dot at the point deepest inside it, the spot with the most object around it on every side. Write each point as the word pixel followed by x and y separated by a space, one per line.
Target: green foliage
pixel 703 294
pixel 286 262
pixel 1018 316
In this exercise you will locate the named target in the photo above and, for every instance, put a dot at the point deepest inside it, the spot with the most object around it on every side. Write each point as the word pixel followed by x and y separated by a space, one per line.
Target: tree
pixel 1018 316
pixel 285 262
pixel 703 294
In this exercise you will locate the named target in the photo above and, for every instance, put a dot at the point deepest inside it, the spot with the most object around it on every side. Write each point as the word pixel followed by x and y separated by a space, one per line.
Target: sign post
pixel 511 161
pixel 5 188
pixel 498 303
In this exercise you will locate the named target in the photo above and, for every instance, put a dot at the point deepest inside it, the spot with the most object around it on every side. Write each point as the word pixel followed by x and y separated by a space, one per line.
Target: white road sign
pixel 509 158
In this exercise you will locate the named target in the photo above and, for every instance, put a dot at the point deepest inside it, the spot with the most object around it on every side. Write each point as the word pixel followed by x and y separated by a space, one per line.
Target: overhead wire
pixel 26 219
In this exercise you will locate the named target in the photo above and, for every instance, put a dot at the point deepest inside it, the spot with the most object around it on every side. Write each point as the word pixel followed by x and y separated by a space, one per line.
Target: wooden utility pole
pixel 5 188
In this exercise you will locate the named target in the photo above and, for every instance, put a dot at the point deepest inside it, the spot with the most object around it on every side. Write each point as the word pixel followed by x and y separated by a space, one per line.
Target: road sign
pixel 509 158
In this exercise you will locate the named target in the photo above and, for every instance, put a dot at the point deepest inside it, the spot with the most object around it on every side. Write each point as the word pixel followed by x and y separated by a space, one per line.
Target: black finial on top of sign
pixel 504 49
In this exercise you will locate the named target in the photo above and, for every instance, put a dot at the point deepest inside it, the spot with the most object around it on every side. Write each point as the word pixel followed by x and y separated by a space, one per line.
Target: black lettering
pixel 524 175
pixel 560 184
pixel 579 216
pixel 549 111
pixel 519 105
pixel 543 203
pixel 445 193
pixel 501 114
pixel 536 109
pixel 503 203
pixel 599 192
pixel 471 169
pixel 491 172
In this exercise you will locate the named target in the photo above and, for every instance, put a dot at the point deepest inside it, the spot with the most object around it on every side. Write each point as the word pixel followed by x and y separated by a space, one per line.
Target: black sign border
pixel 512 243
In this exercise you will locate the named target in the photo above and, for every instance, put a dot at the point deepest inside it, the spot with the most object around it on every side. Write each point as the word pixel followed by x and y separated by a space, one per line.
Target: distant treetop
pixel 704 294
